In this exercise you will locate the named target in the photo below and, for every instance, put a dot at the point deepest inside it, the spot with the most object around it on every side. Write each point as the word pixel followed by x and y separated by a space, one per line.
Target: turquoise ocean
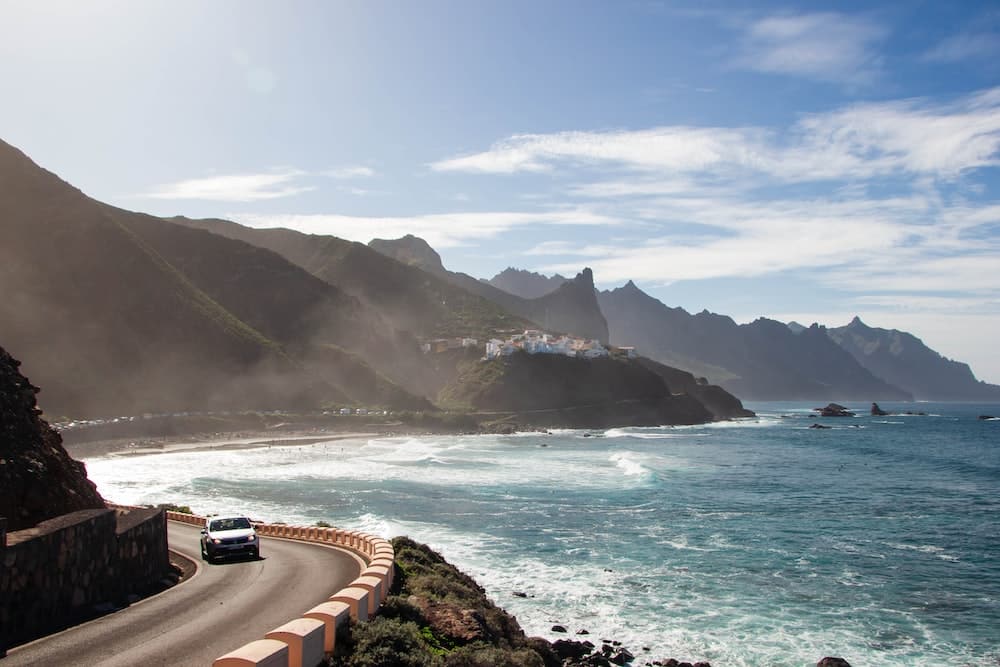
pixel 754 542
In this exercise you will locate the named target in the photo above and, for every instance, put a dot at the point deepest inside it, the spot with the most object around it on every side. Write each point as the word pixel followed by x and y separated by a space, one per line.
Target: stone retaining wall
pixel 76 566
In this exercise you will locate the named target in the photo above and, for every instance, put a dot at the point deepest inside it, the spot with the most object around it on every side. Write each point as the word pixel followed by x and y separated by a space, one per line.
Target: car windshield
pixel 230 524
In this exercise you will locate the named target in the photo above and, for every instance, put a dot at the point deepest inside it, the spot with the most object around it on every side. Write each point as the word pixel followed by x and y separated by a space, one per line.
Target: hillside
pixel 116 312
pixel 572 308
pixel 763 360
pixel 410 297
pixel 549 389
pixel 39 479
pixel 903 360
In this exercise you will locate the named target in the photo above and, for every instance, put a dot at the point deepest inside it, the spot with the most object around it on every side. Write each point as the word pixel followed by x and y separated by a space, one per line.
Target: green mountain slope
pixel 109 320
pixel 411 298
pixel 572 308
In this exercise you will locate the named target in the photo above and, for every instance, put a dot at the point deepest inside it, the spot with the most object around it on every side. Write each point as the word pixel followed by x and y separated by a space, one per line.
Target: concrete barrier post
pixel 382 572
pixel 374 587
pixel 334 615
pixel 304 637
pixel 258 653
pixel 356 598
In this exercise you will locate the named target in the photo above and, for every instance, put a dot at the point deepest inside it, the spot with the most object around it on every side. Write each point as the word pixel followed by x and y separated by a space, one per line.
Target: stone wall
pixel 76 566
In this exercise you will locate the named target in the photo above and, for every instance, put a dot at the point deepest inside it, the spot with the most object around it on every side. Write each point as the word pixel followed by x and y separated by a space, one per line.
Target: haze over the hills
pixel 787 160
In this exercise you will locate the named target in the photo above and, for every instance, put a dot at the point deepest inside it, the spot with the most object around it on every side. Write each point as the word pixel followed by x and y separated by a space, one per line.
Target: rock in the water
pixel 833 662
pixel 818 426
pixel 834 410
pixel 621 657
pixel 569 649
pixel 558 628
pixel 985 417
pixel 877 411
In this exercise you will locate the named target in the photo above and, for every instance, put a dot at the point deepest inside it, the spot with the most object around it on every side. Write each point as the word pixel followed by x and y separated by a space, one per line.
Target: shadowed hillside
pixel 121 313
pixel 571 309
pixel 412 298
pixel 763 360
pixel 551 389
pixel 903 359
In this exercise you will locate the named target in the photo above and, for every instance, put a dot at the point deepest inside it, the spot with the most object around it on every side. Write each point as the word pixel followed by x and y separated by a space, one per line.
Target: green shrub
pixel 484 655
pixel 386 642
pixel 170 507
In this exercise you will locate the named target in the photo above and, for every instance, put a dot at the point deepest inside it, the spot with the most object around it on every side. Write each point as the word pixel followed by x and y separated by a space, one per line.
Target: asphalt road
pixel 222 607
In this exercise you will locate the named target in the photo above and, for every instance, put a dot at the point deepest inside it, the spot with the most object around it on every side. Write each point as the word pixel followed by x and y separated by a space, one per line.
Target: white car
pixel 225 536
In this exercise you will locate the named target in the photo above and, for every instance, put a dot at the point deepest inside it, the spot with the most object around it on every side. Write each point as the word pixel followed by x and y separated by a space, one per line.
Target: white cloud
pixel 234 187
pixel 444 230
pixel 863 141
pixel 824 46
pixel 355 171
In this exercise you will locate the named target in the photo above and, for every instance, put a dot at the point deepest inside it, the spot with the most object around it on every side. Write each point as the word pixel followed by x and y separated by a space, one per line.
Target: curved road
pixel 222 607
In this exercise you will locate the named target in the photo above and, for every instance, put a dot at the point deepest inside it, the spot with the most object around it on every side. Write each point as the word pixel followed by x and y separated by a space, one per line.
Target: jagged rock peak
pixel 585 277
pixel 856 322
pixel 411 250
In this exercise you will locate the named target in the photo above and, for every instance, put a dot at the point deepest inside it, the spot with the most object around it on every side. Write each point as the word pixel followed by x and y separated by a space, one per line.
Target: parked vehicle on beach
pixel 227 536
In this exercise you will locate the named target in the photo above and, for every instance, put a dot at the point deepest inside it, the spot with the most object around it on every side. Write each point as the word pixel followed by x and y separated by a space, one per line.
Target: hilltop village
pixel 532 341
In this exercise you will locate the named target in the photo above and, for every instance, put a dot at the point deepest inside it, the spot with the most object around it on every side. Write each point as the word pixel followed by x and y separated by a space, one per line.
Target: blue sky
pixel 806 161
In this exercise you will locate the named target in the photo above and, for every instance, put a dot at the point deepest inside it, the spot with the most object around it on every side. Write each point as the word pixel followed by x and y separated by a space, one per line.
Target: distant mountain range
pixel 120 313
pixel 769 360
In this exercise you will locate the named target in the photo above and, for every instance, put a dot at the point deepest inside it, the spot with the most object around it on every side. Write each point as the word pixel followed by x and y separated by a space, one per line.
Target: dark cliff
pixel 39 479
pixel 551 390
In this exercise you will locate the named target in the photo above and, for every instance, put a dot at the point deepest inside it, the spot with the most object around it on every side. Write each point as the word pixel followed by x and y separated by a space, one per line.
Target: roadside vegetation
pixel 437 616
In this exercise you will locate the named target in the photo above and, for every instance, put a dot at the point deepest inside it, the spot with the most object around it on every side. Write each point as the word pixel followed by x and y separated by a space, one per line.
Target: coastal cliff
pixel 553 390
pixel 39 479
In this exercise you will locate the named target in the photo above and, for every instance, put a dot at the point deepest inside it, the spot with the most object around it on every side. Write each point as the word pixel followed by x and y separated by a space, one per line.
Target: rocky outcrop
pixel 877 411
pixel 550 390
pixel 39 479
pixel 834 410
pixel 833 662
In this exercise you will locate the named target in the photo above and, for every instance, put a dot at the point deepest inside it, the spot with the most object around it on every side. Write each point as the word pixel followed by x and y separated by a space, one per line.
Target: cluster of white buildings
pixel 533 341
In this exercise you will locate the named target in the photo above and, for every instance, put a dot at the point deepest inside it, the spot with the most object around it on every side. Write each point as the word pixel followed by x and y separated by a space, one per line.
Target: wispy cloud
pixel 857 142
pixel 824 46
pixel 444 230
pixel 978 41
pixel 234 187
pixel 355 171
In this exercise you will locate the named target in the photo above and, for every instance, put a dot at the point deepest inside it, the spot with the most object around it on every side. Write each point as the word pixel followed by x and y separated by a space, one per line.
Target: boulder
pixel 572 650
pixel 833 662
pixel 877 411
pixel 834 410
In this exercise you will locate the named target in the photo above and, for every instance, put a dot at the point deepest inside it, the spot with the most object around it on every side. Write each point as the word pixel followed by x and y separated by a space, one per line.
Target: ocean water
pixel 755 542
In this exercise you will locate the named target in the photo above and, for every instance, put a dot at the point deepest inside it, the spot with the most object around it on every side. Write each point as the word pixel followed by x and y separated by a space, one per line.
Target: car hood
pixel 225 534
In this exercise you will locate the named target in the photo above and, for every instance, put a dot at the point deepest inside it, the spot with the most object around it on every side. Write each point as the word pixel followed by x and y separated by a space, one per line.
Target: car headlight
pixel 216 540
pixel 252 538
